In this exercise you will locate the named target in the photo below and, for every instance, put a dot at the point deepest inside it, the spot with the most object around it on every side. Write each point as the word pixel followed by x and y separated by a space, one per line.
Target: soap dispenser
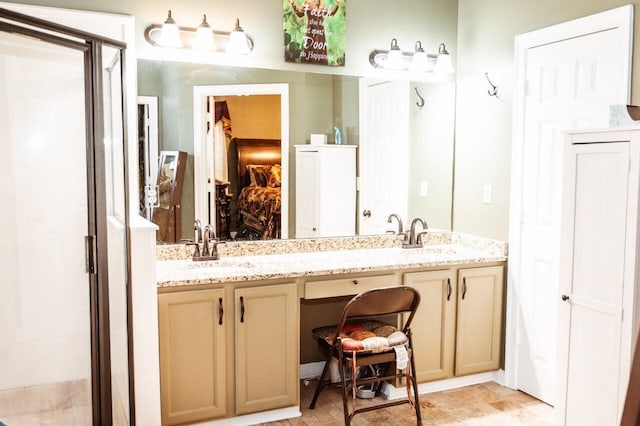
pixel 338 138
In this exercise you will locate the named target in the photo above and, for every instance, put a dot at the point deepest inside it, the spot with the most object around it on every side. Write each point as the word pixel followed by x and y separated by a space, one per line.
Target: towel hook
pixel 421 102
pixel 494 89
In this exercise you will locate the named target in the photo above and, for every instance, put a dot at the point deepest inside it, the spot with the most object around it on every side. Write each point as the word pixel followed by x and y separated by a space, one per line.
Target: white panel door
pixel 594 252
pixel 570 84
pixel 384 153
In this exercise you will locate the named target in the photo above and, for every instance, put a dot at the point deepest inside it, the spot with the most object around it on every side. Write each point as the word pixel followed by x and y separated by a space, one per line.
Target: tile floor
pixel 486 404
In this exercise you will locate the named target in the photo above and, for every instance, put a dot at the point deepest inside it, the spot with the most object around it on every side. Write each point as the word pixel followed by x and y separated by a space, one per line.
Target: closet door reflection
pixel 45 334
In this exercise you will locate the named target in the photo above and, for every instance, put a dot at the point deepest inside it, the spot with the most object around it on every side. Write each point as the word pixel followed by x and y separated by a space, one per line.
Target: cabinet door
pixel 433 326
pixel 597 248
pixel 479 324
pixel 307 194
pixel 267 341
pixel 192 351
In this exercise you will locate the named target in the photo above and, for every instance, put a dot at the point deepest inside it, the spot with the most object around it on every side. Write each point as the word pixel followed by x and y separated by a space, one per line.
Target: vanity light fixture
pixel 203 38
pixel 418 60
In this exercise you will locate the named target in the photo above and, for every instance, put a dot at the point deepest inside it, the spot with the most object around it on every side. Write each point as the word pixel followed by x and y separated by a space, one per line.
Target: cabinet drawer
pixel 346 286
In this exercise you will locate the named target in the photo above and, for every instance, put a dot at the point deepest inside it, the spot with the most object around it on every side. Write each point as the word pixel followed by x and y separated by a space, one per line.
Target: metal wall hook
pixel 494 89
pixel 420 103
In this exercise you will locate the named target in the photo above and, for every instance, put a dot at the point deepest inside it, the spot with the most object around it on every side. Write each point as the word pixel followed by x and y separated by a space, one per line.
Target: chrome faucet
pixel 415 240
pixel 210 237
pixel 400 227
pixel 399 219
pixel 206 237
pixel 197 227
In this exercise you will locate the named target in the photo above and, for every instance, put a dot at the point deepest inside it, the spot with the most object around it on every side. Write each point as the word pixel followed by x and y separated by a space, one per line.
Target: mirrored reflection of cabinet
pixel 167 215
pixel 325 190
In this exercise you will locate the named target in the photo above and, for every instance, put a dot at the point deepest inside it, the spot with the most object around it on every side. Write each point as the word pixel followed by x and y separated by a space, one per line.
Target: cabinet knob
pixel 366 213
pixel 565 297
pixel 355 282
pixel 315 229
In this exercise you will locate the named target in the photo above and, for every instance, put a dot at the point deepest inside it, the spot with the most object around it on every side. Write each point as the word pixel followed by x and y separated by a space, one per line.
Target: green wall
pixel 486 31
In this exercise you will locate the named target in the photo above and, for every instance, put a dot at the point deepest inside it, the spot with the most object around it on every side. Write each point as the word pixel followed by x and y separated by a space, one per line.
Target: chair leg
pixel 321 383
pixel 343 380
pixel 414 381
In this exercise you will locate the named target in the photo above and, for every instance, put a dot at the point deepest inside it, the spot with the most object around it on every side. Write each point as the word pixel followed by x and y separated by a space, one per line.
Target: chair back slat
pixel 380 302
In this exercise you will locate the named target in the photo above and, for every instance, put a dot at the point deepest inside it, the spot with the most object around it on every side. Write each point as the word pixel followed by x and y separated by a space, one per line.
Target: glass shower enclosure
pixel 64 298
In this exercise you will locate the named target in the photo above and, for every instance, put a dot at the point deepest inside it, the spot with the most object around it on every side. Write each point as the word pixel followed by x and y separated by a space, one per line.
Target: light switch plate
pixel 487 194
pixel 424 189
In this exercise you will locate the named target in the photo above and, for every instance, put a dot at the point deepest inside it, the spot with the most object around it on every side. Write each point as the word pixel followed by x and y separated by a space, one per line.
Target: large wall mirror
pixel 317 104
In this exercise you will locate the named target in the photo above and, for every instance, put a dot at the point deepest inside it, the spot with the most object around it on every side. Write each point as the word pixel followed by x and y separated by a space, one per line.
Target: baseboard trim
pixel 311 370
pixel 256 418
pixel 314 369
pixel 392 392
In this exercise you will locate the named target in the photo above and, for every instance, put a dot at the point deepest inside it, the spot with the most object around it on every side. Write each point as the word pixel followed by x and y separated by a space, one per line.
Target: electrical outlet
pixel 487 194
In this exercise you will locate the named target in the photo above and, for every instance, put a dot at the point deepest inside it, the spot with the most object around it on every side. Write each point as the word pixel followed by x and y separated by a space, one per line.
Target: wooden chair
pixel 360 315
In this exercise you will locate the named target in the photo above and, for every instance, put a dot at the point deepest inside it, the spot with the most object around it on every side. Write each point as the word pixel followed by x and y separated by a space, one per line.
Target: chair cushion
pixel 365 336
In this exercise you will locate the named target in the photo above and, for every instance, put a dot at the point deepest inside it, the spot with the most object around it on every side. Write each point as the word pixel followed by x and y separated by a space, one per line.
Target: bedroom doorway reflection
pixel 241 160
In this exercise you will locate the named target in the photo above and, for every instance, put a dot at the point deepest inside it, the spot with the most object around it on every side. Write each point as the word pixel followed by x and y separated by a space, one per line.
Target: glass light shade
pixel 204 39
pixel 420 61
pixel 443 63
pixel 238 41
pixel 394 57
pixel 169 34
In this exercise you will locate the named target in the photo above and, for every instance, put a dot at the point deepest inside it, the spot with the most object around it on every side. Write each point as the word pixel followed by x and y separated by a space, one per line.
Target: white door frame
pixel 622 18
pixel 200 94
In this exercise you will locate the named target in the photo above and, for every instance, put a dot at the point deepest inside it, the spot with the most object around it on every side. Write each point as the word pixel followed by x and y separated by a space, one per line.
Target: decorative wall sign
pixel 314 31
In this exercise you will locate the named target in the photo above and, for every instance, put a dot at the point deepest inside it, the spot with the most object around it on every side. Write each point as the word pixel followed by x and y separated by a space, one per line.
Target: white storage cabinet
pixel 325 190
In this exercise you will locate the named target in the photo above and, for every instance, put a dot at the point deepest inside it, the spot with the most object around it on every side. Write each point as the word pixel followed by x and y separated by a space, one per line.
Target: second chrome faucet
pixel 412 238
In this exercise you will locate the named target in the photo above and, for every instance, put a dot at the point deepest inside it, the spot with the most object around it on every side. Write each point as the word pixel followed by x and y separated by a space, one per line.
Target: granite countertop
pixel 444 249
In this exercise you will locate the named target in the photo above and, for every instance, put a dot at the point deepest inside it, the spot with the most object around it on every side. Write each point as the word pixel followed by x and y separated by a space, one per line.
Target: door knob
pixel 366 213
pixel 565 297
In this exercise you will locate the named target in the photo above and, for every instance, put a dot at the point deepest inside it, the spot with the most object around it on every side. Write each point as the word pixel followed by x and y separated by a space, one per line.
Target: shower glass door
pixel 45 334
pixel 64 294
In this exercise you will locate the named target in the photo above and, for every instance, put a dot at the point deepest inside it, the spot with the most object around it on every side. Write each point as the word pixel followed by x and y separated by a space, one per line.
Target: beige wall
pixel 486 31
pixel 254 117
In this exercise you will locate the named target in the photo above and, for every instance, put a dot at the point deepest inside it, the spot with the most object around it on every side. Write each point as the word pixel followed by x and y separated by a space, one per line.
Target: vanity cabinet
pixel 193 384
pixel 325 190
pixel 434 324
pixel 197 365
pixel 479 319
pixel 458 326
pixel 266 347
